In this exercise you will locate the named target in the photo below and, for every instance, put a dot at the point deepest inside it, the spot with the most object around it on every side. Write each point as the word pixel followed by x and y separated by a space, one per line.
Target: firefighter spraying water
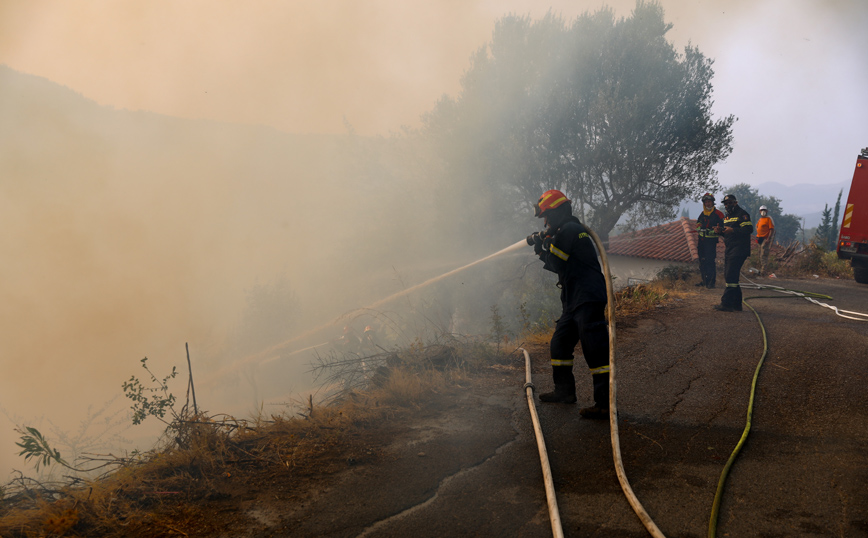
pixel 566 248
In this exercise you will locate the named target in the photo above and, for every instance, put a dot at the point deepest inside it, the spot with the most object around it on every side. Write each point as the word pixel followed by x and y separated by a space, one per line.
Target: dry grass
pixel 640 298
pixel 204 461
pixel 539 337
pixel 150 498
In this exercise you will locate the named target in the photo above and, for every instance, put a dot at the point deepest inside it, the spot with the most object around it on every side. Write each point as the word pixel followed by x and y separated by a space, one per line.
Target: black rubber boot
pixel 596 412
pixel 562 394
pixel 601 390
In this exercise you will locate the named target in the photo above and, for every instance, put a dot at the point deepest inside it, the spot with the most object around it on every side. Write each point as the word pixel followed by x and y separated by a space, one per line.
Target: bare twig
pixel 190 386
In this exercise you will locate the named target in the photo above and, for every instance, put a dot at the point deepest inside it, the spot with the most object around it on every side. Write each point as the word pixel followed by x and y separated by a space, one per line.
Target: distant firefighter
pixel 736 230
pixel 708 220
pixel 349 341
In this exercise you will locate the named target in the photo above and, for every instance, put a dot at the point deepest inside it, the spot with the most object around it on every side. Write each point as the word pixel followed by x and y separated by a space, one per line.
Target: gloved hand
pixel 547 243
pixel 536 241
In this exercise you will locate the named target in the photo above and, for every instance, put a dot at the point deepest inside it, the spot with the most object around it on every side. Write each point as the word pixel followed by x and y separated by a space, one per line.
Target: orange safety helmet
pixel 549 200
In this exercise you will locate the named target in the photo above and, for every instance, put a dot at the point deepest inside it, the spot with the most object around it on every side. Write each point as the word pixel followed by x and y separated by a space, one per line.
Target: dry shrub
pixel 815 260
pixel 643 297
pixel 43 517
pixel 406 388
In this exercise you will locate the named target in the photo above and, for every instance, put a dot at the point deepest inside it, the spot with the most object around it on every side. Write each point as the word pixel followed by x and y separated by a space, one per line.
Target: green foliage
pixel 605 109
pixel 824 230
pixel 35 446
pixel 787 226
pixel 833 228
pixel 150 401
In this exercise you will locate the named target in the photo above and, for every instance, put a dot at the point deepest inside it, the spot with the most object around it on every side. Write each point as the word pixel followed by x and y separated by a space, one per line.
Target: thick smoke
pixel 128 234
pixel 132 234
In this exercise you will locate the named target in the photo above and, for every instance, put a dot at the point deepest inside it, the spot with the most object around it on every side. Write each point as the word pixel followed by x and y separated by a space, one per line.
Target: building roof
pixel 674 241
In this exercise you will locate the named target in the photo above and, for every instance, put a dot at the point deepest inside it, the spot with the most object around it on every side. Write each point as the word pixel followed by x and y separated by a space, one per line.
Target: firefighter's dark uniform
pixel 737 251
pixel 571 254
pixel 707 245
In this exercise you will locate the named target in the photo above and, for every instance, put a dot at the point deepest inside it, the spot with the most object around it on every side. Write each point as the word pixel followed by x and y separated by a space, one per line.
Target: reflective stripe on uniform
pixel 730 285
pixel 562 363
pixel 600 370
pixel 747 223
pixel 559 253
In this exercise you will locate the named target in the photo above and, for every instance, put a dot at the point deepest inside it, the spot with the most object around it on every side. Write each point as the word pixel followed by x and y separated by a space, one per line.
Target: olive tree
pixel 603 108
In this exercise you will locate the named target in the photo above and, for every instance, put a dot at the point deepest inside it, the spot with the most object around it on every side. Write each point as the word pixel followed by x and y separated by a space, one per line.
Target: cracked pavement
pixel 684 375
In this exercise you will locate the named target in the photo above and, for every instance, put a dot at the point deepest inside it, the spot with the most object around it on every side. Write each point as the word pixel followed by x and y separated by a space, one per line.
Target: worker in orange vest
pixel 765 236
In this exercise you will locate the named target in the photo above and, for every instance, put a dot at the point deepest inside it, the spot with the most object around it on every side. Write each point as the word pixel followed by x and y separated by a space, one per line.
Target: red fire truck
pixel 853 239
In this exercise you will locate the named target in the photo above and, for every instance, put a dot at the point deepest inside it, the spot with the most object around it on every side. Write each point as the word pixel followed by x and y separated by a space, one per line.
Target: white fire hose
pixel 554 514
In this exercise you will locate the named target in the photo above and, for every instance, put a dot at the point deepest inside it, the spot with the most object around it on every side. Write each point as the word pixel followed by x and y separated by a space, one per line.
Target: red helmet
pixel 549 200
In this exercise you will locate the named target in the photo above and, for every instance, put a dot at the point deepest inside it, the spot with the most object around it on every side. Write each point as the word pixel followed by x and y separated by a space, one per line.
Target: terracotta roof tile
pixel 674 241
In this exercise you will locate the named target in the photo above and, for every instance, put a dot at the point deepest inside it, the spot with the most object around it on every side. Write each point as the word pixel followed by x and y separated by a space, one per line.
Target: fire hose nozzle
pixel 534 239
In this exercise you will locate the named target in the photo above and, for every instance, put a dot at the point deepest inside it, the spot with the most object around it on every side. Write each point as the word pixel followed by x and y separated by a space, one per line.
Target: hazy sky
pixel 793 71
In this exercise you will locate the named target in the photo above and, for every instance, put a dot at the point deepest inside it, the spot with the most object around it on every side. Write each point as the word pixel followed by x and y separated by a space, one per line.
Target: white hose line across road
pixel 808 296
pixel 554 513
pixel 646 520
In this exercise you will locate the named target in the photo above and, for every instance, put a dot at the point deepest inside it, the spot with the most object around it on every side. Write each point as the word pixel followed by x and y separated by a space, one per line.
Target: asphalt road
pixel 684 376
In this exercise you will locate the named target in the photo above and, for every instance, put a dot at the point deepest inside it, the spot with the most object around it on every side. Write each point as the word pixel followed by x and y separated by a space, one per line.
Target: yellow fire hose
pixel 810 296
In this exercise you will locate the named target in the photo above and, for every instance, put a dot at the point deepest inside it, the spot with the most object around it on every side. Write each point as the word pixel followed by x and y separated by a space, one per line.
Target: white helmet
pixel 763 208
